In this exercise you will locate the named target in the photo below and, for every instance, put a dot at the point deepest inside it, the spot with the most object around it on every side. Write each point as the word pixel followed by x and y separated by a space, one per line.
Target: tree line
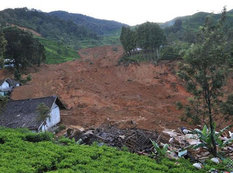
pixel 147 36
pixel 19 49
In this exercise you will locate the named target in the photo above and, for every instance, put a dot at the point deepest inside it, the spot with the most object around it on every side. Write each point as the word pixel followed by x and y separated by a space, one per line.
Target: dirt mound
pixel 97 90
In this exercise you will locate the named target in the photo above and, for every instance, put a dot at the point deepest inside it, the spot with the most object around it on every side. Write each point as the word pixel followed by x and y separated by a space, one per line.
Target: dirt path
pixel 96 90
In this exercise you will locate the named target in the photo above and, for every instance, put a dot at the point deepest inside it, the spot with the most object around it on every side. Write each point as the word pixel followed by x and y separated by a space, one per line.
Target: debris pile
pixel 139 140
pixel 180 144
pixel 136 140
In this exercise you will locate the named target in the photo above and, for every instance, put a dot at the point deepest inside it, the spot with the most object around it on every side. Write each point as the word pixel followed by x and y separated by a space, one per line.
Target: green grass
pixel 22 151
pixel 57 52
pixel 112 39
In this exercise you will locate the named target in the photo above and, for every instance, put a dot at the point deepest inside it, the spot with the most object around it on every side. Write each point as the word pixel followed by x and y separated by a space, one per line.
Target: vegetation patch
pixel 2 141
pixel 38 137
pixel 57 52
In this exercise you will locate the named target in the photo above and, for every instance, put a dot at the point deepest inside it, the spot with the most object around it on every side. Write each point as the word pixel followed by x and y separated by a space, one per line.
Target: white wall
pixel 54 117
pixel 4 85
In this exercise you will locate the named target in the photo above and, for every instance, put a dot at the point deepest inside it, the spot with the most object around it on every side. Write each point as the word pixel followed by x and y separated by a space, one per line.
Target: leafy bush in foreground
pixel 20 155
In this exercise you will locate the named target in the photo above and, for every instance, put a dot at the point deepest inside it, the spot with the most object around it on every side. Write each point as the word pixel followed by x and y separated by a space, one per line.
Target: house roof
pixel 12 82
pixel 22 113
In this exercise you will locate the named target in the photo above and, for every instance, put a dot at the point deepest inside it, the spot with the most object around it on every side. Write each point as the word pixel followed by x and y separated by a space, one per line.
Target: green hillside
pixel 109 39
pixel 185 28
pixel 98 26
pixel 26 152
pixel 57 52
pixel 62 38
pixel 48 26
pixel 75 30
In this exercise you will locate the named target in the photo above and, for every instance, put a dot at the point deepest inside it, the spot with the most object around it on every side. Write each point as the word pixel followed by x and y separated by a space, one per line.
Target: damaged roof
pixel 11 82
pixel 22 113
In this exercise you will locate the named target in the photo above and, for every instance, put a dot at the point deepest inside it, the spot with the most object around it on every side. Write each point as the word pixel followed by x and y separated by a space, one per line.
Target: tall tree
pixel 128 39
pixel 22 48
pixel 150 37
pixel 204 69
pixel 3 44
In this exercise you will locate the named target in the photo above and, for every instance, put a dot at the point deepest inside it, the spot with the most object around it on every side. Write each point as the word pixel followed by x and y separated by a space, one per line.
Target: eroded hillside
pixel 96 90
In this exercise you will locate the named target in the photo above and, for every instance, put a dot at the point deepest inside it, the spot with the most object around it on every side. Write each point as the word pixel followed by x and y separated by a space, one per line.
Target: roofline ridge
pixel 36 98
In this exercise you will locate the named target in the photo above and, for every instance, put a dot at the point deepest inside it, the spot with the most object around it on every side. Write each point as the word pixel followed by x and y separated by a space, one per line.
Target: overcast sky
pixel 131 12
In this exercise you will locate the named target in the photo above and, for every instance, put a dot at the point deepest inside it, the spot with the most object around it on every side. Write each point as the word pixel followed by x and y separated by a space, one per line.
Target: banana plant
pixel 160 152
pixel 204 136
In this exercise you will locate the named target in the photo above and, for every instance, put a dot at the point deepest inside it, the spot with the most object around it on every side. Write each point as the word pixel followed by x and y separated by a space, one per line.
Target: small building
pixel 24 114
pixel 7 85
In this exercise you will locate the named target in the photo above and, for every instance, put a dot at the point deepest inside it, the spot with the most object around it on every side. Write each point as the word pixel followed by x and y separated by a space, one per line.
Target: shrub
pixel 38 137
pixel 205 139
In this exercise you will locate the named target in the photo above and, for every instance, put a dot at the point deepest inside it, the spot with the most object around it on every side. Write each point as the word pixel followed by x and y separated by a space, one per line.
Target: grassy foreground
pixel 24 152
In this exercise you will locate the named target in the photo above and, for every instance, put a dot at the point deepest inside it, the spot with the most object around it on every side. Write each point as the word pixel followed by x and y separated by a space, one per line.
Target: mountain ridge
pixel 55 28
pixel 99 26
pixel 185 17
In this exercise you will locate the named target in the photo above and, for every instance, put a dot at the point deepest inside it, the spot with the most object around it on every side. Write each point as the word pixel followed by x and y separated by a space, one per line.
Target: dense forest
pixel 20 49
pixel 98 26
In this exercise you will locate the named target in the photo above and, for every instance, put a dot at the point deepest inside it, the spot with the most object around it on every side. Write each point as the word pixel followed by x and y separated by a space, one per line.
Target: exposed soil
pixel 97 90
pixel 28 30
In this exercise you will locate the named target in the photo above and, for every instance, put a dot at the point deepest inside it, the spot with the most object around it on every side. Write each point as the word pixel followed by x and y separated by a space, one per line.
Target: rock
pixel 172 155
pixel 184 130
pixel 89 132
pixel 192 139
pixel 204 154
pixel 171 133
pixel 197 165
pixel 122 136
pixel 215 160
pixel 171 140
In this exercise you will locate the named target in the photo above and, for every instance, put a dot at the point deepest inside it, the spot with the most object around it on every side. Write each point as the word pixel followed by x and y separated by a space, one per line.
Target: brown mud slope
pixel 96 90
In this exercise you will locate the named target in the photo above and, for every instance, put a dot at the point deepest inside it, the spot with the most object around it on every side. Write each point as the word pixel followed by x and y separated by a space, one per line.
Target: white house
pixel 54 118
pixel 7 85
pixel 24 114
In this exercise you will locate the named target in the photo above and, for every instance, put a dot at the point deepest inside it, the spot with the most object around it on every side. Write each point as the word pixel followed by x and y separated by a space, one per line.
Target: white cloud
pixel 127 11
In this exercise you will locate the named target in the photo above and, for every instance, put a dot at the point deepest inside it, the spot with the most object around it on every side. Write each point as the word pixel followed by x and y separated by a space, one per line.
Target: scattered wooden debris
pixel 136 140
